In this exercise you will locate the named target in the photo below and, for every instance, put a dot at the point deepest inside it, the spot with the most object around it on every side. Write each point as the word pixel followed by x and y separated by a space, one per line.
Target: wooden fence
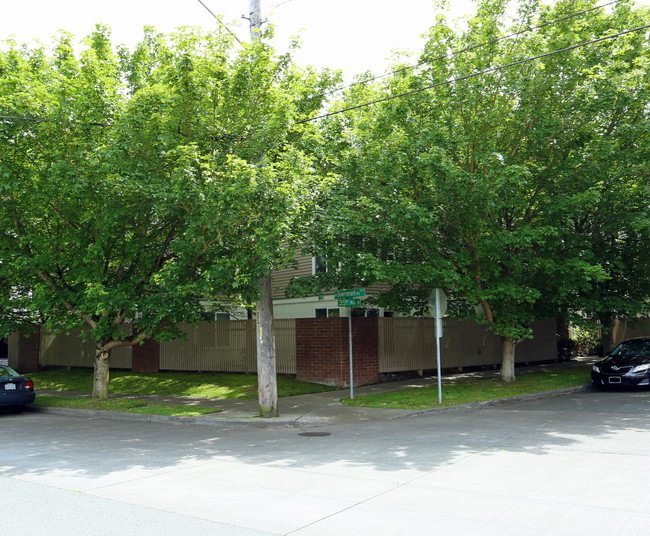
pixel 229 346
pixel 73 350
pixel 630 329
pixel 410 344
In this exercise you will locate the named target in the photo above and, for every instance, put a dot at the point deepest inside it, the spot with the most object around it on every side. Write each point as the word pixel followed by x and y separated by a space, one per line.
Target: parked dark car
pixel 15 390
pixel 627 365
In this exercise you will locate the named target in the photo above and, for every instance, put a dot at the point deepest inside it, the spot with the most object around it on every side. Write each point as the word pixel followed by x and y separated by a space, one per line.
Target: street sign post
pixel 440 308
pixel 350 298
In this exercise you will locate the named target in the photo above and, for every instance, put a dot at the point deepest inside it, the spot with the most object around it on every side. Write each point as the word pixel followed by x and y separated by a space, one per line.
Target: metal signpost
pixel 349 299
pixel 440 308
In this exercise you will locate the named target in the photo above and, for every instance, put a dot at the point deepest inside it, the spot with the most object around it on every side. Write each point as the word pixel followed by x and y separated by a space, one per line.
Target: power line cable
pixel 467 49
pixel 281 4
pixel 473 75
pixel 220 21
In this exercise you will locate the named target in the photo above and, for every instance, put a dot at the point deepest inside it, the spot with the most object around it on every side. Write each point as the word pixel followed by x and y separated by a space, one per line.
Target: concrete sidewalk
pixel 311 410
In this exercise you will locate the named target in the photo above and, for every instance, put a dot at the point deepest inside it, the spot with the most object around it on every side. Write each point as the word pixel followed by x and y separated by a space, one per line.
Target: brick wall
pixel 146 357
pixel 323 350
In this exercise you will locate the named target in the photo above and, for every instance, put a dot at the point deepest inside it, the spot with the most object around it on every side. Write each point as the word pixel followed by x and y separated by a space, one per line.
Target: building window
pixel 320 265
pixel 358 312
pixel 328 313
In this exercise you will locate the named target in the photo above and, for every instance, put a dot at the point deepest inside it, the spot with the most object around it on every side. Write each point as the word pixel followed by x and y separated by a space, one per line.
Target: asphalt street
pixel 573 464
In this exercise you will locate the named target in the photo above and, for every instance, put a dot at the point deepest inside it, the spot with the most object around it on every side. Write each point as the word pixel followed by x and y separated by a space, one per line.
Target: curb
pixel 497 402
pixel 294 422
pixel 253 422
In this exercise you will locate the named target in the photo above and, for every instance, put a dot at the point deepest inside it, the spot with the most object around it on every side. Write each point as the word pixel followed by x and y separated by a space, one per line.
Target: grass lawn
pixel 468 391
pixel 244 386
pixel 207 385
pixel 126 405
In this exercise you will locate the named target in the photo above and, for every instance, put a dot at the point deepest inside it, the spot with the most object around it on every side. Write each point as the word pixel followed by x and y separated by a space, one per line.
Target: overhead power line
pixel 219 21
pixel 474 75
pixel 467 49
pixel 281 4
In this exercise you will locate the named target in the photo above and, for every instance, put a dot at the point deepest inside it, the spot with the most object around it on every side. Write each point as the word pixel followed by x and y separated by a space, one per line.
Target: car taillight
pixel 29 384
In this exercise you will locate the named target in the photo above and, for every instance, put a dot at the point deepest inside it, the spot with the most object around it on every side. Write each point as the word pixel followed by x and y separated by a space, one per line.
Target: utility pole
pixel 267 386
pixel 255 19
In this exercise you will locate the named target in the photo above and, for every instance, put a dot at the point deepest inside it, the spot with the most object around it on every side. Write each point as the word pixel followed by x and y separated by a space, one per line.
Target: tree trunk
pixel 102 367
pixel 508 359
pixel 266 371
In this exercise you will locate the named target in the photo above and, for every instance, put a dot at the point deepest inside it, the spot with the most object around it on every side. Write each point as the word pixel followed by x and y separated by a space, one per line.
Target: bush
pixel 587 341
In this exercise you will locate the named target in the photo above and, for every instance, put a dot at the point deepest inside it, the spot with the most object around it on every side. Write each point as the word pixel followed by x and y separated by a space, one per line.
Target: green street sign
pixel 349 302
pixel 352 293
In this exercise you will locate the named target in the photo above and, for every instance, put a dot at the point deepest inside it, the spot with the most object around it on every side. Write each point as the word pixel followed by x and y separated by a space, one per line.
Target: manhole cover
pixel 315 434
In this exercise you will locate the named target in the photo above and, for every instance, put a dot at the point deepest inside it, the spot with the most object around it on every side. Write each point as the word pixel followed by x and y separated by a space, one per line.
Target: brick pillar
pixel 365 351
pixel 323 351
pixel 145 357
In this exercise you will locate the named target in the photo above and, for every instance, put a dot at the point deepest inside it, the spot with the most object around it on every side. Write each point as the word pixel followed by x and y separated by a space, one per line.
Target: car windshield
pixel 7 372
pixel 633 347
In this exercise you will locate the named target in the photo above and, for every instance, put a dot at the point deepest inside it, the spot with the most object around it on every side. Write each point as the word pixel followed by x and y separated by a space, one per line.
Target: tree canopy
pixel 131 181
pixel 510 168
pixel 501 169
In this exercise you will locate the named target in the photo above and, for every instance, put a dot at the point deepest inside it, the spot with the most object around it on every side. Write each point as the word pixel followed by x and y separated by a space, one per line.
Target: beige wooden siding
pixel 304 267
pixel 228 346
pixel 281 278
pixel 72 351
pixel 377 288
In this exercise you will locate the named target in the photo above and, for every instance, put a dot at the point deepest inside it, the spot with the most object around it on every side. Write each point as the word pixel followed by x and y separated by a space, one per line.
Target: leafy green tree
pixel 131 184
pixel 470 176
pixel 617 228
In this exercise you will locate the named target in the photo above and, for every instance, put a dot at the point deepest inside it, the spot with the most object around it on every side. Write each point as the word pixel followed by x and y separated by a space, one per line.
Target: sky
pixel 353 35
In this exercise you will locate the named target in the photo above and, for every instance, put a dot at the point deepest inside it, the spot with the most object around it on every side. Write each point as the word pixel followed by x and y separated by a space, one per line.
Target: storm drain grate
pixel 315 434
